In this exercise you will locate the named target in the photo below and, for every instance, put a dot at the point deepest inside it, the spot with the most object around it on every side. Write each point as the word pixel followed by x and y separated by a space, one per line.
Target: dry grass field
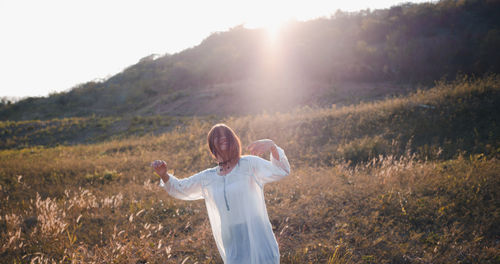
pixel 412 179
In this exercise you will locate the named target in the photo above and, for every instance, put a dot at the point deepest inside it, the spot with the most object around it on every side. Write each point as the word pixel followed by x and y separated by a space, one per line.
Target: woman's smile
pixel 222 142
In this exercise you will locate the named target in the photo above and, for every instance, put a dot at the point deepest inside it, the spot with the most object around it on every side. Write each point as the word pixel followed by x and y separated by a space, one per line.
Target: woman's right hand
pixel 160 167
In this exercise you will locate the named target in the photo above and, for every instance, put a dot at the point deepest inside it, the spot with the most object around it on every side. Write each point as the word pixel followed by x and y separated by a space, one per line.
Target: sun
pixel 271 22
pixel 272 30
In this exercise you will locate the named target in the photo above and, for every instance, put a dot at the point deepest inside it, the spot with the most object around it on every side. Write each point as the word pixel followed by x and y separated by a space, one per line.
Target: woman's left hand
pixel 261 146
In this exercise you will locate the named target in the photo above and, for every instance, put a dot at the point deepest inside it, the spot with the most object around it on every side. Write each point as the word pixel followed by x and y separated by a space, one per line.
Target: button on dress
pixel 236 206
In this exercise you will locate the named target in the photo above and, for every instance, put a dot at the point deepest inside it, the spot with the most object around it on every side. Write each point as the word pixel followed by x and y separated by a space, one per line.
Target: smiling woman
pixel 234 195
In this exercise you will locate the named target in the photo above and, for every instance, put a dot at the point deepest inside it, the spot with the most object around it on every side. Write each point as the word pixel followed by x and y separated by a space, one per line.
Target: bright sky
pixel 52 45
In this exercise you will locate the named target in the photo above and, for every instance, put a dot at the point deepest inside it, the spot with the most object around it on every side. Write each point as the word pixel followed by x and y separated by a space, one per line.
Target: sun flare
pixel 273 29
pixel 271 22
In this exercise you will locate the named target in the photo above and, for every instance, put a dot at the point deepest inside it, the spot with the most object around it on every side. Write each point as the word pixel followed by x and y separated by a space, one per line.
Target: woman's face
pixel 221 142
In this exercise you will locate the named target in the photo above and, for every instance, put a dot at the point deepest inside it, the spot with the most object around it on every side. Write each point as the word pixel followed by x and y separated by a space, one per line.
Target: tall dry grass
pixel 388 210
pixel 388 203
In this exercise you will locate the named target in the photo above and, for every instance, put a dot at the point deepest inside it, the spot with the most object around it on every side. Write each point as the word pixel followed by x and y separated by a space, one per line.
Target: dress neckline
pixel 217 169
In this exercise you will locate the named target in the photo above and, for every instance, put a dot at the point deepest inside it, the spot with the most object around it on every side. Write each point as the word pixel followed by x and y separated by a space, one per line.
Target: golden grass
pixel 391 209
pixel 100 203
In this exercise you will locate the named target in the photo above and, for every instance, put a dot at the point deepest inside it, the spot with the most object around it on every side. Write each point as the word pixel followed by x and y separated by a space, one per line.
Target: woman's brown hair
pixel 234 145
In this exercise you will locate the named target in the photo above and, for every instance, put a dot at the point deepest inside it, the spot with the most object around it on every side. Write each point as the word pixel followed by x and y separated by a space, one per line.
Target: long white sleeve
pixel 274 170
pixel 184 189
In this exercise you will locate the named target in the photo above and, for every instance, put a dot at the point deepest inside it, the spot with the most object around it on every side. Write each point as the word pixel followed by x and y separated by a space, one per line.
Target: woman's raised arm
pixel 184 189
pixel 269 171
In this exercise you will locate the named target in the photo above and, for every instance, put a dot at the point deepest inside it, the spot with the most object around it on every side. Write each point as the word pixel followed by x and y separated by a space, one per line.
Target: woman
pixel 234 197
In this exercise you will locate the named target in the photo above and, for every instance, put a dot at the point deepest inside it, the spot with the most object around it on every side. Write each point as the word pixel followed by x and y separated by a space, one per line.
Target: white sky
pixel 52 45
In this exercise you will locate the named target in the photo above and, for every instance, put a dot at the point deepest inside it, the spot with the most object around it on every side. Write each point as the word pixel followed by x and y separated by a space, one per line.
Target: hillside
pixel 390 120
pixel 344 59
pixel 410 179
pixel 458 116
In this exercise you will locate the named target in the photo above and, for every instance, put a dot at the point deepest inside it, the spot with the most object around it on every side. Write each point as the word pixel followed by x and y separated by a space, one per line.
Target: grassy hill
pixel 434 123
pixel 388 165
pixel 409 179
pixel 338 60
pixel 82 130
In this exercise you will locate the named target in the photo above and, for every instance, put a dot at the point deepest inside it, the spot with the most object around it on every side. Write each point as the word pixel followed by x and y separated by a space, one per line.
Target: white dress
pixel 236 207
